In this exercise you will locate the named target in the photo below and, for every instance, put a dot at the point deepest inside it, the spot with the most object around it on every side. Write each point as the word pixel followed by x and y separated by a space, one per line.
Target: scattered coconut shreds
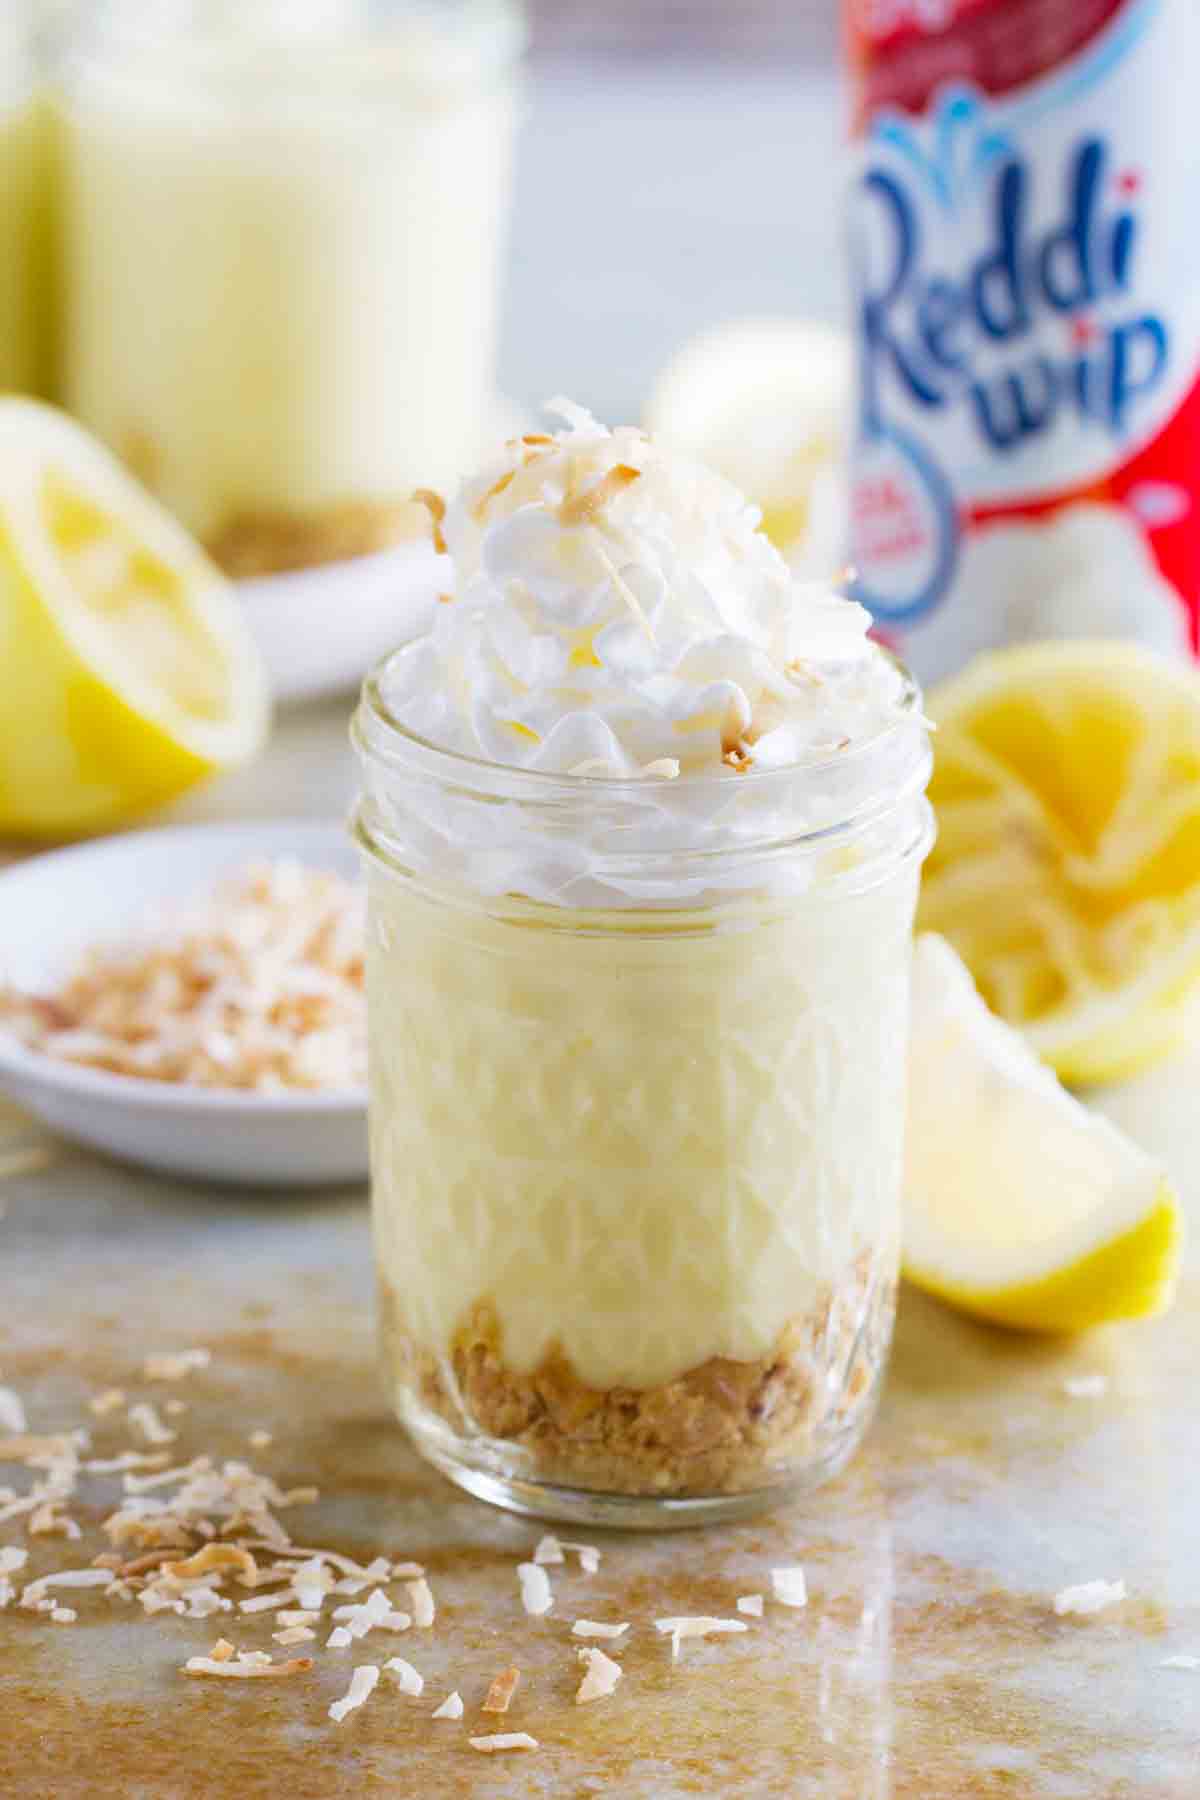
pixel 751 1604
pixel 499 1695
pixel 408 1680
pixel 536 1595
pixel 66 1578
pixel 294 1634
pixel 362 1685
pixel 239 1670
pixel 173 1365
pixel 264 1603
pixel 698 1627
pixel 301 1615
pixel 376 1610
pixel 595 1628
pixel 222 1650
pixel 111 1400
pixel 12 1558
pixel 421 1596
pixel 600 1677
pixel 451 1708
pixel 1085 1387
pixel 407 1571
pixel 589 1556
pixel 12 1412
pixel 504 1740
pixel 63 1615
pixel 1088 1597
pixel 260 1440
pixel 128 1459
pixel 549 1550
pixel 339 1638
pixel 215 1556
pixel 145 1417
pixel 1180 1662
pixel 789 1586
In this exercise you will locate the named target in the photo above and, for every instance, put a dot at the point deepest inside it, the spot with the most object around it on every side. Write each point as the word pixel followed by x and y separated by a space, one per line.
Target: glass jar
pixel 21 208
pixel 637 1116
pixel 283 228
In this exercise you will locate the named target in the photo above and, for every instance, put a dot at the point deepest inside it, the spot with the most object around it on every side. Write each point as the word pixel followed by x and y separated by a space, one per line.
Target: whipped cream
pixel 616 612
pixel 615 622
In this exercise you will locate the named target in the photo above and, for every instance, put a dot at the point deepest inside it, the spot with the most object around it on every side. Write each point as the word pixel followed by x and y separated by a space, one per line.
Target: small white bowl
pixel 55 907
pixel 320 630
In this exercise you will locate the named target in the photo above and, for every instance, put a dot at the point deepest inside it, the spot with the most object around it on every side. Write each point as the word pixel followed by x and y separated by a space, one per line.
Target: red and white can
pixel 1025 234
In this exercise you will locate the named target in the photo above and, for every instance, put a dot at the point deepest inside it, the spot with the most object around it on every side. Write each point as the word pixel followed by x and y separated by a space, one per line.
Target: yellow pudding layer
pixel 321 279
pixel 642 1140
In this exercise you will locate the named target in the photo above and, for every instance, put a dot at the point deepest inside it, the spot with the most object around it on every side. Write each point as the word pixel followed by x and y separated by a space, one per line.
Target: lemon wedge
pixel 1067 868
pixel 128 672
pixel 1021 1206
pixel 765 403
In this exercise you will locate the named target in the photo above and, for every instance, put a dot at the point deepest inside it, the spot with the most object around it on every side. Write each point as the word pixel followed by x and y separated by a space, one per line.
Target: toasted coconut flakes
pixel 28 1448
pixel 12 1412
pixel 145 1418
pixel 584 508
pixel 300 1615
pixel 436 508
pixel 1085 1387
pixel 536 1594
pixel 26 1162
pixel 421 1596
pixel 504 1740
pixel 216 1556
pixel 49 1521
pixel 589 1556
pixel 500 1693
pixel 1089 1597
pixel 12 1558
pixel 139 1565
pixel 63 1615
pixel 408 1680
pixel 752 1604
pixel 129 1459
pixel 789 1586
pixel 407 1571
pixel 362 1685
pixel 293 1634
pixel 222 1650
pixel 260 1440
pixel 173 1365
pixel 202 1603
pixel 698 1627
pixel 1180 1662
pixel 264 1603
pixel 108 1401
pixel 595 1628
pixel 600 1678
pixel 451 1708
pixel 65 1578
pixel 204 1665
pixel 549 1550
pixel 153 1600
pixel 313 1560
pixel 375 1610
pixel 338 1639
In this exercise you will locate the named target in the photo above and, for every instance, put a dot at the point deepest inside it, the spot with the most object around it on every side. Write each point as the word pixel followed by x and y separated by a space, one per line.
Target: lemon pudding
pixel 307 205
pixel 644 820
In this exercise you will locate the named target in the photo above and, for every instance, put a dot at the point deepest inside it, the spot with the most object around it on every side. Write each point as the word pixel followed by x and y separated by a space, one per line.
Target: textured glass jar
pixel 22 208
pixel 283 223
pixel 636 1163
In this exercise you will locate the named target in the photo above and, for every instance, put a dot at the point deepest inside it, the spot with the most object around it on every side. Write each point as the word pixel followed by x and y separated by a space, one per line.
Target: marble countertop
pixel 929 1661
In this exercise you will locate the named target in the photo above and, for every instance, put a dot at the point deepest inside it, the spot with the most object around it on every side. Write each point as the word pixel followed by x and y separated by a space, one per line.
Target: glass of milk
pixel 282 237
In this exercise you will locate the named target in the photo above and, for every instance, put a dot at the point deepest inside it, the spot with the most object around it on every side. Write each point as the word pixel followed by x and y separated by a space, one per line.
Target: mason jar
pixel 23 173
pixel 637 1116
pixel 282 235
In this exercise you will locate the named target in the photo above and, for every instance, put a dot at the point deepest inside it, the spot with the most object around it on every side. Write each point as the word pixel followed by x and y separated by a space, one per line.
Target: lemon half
pixel 1021 1206
pixel 1067 867
pixel 126 671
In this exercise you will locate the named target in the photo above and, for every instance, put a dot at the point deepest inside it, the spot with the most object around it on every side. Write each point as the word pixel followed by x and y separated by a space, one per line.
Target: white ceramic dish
pixel 320 630
pixel 54 907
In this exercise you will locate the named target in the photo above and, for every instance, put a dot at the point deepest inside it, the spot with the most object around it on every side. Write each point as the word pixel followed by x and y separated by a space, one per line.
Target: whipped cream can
pixel 1026 270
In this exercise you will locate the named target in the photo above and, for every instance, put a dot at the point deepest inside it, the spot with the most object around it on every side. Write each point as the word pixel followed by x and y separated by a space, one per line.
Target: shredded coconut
pixel 111 1400
pixel 698 1627
pixel 504 1740
pixel 63 1615
pixel 751 1604
pixel 451 1708
pixel 339 1638
pixel 408 1680
pixel 12 1412
pixel 421 1596
pixel 499 1695
pixel 600 1678
pixel 259 987
pixel 789 1585
pixel 173 1365
pixel 293 1634
pixel 536 1594
pixel 594 1628
pixel 376 1610
pixel 549 1550
pixel 205 1665
pixel 589 1556
pixel 1089 1597
pixel 145 1417
pixel 362 1686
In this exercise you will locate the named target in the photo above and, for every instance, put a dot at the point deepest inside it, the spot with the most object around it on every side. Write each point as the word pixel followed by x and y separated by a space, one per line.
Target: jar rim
pixel 395 743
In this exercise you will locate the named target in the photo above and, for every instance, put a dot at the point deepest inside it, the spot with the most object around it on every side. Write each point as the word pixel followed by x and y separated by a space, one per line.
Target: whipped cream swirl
pixel 616 612
pixel 615 616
